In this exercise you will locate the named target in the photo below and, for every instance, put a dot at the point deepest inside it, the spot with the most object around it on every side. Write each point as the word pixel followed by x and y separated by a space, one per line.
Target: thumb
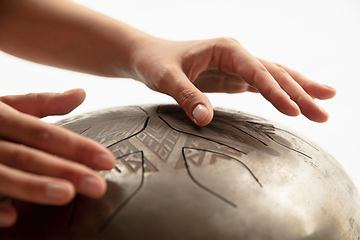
pixel 45 104
pixel 196 105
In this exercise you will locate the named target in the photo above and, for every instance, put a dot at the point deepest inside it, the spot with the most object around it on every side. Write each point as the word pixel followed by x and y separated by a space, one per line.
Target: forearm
pixel 63 34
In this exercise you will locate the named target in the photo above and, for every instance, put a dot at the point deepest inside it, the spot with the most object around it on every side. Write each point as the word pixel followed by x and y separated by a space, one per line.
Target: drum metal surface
pixel 240 177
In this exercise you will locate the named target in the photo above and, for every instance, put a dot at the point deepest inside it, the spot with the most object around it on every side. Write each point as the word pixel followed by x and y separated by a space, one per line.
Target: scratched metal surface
pixel 241 177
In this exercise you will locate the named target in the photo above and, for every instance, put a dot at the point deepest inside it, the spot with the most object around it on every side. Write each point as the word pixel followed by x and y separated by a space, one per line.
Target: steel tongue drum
pixel 240 177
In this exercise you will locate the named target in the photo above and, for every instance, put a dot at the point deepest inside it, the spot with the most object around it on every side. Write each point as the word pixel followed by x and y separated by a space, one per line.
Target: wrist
pixel 118 44
pixel 138 55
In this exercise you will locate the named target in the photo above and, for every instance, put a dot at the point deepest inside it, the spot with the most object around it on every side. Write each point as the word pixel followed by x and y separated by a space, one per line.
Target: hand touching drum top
pixel 184 70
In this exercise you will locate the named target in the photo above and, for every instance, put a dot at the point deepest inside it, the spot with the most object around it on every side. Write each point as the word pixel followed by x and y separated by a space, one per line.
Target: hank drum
pixel 241 177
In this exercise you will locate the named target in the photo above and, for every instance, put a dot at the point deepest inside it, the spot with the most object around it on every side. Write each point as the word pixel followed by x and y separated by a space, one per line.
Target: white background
pixel 320 38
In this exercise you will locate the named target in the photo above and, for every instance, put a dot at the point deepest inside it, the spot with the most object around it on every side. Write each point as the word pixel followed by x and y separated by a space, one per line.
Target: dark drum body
pixel 240 177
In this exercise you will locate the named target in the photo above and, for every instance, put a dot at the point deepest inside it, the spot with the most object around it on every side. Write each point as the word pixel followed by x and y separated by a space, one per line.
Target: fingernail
pixel 103 161
pixel 328 87
pixel 91 186
pixel 58 191
pixel 200 113
pixel 71 91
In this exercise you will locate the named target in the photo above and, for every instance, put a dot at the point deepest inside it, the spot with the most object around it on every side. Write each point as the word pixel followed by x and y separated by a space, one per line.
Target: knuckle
pixel 271 93
pixel 257 76
pixel 37 102
pixel 83 151
pixel 232 40
pixel 187 96
pixel 31 189
pixel 282 71
pixel 40 136
pixel 20 158
pixel 226 44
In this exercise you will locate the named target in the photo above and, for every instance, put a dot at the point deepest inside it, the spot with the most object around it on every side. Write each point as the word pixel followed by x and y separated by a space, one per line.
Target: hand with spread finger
pixel 184 70
pixel 33 165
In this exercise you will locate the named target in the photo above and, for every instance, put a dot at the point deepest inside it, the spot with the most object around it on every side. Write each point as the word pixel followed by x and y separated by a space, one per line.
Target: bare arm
pixel 64 34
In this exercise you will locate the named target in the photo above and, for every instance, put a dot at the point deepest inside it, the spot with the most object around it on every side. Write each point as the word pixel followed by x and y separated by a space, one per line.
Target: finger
pixel 314 89
pixel 229 56
pixel 196 105
pixel 45 104
pixel 8 216
pixel 308 106
pixel 25 129
pixel 256 75
pixel 33 188
pixel 37 162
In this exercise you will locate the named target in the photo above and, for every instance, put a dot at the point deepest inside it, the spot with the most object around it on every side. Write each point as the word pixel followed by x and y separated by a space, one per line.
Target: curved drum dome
pixel 241 177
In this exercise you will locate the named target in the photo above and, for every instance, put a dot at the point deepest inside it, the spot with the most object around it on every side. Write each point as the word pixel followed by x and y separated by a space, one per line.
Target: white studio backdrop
pixel 319 38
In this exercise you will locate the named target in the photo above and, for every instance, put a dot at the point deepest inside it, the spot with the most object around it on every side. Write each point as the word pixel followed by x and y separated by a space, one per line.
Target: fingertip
pixel 324 119
pixel 78 93
pixel 320 91
pixel 8 216
pixel 321 117
pixel 331 92
pixel 312 110
pixel 294 110
pixel 64 103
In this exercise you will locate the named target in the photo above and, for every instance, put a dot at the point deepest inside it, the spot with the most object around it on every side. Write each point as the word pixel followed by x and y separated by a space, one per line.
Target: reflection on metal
pixel 240 177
